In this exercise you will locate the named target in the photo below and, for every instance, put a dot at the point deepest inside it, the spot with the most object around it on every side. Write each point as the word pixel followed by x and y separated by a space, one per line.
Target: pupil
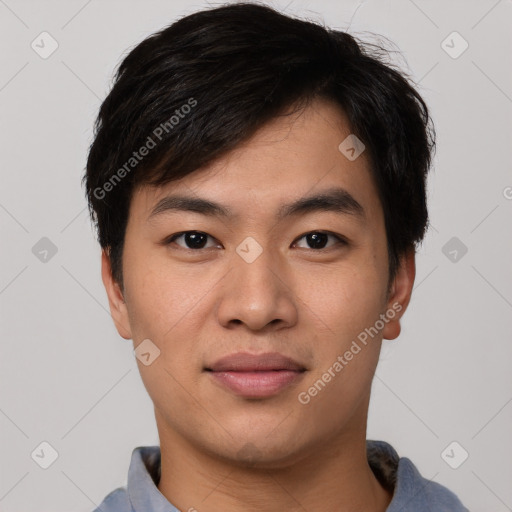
pixel 195 240
pixel 317 240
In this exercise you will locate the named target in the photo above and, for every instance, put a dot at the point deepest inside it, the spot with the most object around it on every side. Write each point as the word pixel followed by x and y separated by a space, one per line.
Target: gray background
pixel 67 378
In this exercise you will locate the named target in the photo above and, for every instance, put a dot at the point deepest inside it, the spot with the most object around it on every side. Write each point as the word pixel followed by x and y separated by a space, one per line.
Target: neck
pixel 334 478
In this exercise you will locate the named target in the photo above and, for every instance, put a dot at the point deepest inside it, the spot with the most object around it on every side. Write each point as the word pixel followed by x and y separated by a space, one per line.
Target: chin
pixel 262 452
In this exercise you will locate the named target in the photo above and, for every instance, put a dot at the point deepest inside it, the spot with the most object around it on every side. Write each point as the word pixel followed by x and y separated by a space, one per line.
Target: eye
pixel 318 239
pixel 193 240
pixel 197 240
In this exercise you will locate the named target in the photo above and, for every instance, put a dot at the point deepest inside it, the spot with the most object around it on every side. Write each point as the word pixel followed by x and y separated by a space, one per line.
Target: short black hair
pixel 193 91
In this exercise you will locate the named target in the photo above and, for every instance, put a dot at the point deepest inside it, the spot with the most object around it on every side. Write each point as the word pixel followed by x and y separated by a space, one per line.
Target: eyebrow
pixel 337 200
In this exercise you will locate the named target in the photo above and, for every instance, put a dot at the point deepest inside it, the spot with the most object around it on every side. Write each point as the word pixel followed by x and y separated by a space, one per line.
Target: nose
pixel 258 294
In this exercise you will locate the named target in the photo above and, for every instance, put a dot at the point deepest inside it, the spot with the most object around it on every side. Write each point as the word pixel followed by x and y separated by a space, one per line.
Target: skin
pixel 220 451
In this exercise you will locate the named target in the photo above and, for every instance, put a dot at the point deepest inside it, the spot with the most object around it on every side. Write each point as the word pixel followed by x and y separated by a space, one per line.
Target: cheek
pixel 349 304
pixel 347 299
pixel 161 305
pixel 166 303
pixel 157 295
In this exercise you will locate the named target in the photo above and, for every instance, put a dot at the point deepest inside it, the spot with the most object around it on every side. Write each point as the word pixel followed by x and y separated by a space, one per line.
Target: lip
pixel 256 375
pixel 245 362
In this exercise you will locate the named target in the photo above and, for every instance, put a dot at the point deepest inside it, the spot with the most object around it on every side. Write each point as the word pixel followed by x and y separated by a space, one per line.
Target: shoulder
pixel 140 490
pixel 410 490
pixel 116 501
pixel 412 487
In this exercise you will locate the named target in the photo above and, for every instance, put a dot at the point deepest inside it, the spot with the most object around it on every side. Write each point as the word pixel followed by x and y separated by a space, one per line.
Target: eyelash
pixel 169 240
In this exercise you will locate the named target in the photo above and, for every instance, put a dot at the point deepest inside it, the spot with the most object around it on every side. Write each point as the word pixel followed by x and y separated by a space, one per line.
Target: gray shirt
pixel 411 492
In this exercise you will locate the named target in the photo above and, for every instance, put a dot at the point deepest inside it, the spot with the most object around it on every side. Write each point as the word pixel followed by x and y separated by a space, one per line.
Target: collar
pixel 398 474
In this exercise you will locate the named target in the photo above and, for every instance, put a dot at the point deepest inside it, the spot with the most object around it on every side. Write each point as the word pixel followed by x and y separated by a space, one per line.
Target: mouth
pixel 256 376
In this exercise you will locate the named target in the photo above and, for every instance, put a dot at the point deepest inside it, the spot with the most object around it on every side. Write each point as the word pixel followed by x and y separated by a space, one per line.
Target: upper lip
pixel 245 362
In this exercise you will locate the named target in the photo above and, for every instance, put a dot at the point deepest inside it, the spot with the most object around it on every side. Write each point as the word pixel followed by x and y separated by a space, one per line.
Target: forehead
pixel 295 155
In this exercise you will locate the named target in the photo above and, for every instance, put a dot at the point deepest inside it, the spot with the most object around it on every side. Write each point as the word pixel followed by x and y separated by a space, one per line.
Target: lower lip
pixel 259 384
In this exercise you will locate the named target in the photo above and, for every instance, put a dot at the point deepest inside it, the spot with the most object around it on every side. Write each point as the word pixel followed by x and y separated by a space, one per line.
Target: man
pixel 258 186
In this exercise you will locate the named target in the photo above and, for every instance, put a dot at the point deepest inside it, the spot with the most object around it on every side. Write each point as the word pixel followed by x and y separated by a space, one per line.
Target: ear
pixel 116 301
pixel 400 294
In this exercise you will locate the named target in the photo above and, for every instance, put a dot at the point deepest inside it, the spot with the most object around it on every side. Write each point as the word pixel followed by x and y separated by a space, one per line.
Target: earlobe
pixel 400 294
pixel 116 300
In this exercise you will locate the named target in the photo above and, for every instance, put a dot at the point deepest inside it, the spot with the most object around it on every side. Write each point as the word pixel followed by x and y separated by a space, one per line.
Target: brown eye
pixel 319 239
pixel 193 240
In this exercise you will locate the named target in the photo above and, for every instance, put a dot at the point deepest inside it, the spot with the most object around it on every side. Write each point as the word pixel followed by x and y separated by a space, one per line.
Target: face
pixel 255 276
